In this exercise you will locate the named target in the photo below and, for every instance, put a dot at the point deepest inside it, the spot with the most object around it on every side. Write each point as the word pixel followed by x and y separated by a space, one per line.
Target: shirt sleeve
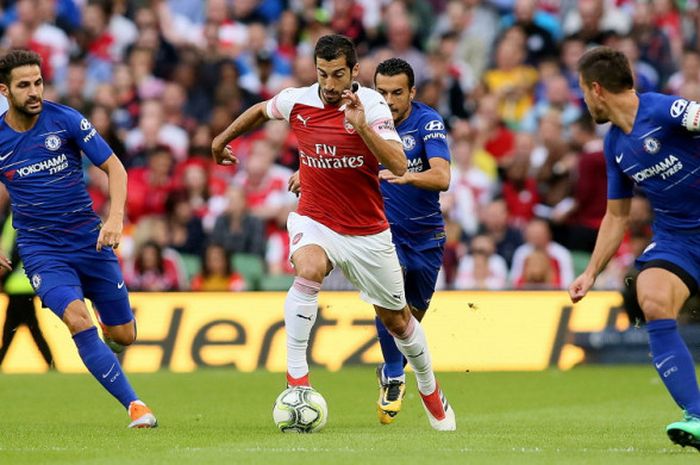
pixel 280 106
pixel 378 115
pixel 619 185
pixel 678 111
pixel 87 138
pixel 434 136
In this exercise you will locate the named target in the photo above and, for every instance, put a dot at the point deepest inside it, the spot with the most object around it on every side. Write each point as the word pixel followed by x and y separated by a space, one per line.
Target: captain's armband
pixel 691 118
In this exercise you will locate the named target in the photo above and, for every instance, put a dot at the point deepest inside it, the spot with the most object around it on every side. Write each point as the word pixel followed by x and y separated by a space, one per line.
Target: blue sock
pixel 393 358
pixel 104 366
pixel 674 363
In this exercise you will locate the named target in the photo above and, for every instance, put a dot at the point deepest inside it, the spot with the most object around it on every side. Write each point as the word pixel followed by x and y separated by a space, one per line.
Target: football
pixel 300 409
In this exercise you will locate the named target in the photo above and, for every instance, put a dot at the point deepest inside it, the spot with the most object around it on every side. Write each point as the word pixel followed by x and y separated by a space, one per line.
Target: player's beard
pixel 332 99
pixel 24 109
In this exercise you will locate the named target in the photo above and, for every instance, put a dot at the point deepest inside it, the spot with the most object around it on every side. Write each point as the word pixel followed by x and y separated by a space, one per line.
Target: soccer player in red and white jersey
pixel 344 132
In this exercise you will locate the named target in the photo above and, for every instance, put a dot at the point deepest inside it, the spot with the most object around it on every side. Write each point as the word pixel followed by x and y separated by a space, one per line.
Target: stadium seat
pixel 251 266
pixel 192 264
pixel 278 282
pixel 580 260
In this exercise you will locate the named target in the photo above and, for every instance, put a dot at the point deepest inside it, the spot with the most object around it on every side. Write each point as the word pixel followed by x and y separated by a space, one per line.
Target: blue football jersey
pixel 42 171
pixel 414 213
pixel 662 158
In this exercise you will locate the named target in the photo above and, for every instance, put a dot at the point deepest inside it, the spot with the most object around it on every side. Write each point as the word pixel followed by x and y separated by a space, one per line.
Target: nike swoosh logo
pixel 110 370
pixel 662 362
pixel 410 132
pixel 304 317
pixel 618 158
pixel 6 155
pixel 120 285
pixel 418 355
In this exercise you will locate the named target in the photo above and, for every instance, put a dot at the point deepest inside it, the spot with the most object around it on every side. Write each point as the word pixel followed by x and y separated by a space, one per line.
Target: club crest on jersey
pixel 349 128
pixel 36 281
pixel 408 142
pixel 52 142
pixel 652 145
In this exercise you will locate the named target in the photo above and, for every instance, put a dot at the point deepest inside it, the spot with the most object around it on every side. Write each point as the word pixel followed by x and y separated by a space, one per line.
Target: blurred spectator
pixel 592 20
pixel 148 187
pixel 538 273
pixel 400 36
pixel 265 183
pixel 511 80
pixel 152 130
pixel 653 43
pixel 150 271
pixel 578 218
pixel 237 230
pixel 646 78
pixel 554 162
pixel 470 188
pixel 519 186
pixel 455 249
pixel 491 132
pixel 689 72
pixel 540 28
pixel 185 227
pixel 277 251
pixel 482 268
pixel 217 274
pixel 538 239
pixel 557 97
pixel 494 220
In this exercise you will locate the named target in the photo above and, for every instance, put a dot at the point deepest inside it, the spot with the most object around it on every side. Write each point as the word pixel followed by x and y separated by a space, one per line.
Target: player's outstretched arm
pixel 111 231
pixel 610 235
pixel 250 119
pixel 388 152
pixel 436 178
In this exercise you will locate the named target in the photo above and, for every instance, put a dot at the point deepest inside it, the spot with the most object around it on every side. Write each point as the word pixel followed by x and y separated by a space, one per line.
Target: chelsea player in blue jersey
pixel 653 144
pixel 412 207
pixel 66 250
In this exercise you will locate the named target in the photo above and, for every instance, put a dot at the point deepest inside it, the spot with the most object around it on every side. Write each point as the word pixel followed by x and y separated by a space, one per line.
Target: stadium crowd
pixel 158 78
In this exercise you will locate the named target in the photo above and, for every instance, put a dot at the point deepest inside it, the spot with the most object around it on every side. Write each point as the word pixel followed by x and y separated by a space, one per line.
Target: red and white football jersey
pixel 338 172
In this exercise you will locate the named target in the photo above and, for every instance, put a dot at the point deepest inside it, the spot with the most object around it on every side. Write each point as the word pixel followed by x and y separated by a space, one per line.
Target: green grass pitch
pixel 590 415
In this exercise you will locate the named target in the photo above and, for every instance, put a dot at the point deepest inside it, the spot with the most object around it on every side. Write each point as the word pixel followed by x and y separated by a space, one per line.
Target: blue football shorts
pixel 59 279
pixel 677 253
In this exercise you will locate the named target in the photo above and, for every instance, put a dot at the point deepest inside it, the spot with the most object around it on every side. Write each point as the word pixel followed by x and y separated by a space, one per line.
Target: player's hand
pixel 5 263
pixel 580 287
pixel 110 234
pixel 294 184
pixel 391 178
pixel 223 155
pixel 353 108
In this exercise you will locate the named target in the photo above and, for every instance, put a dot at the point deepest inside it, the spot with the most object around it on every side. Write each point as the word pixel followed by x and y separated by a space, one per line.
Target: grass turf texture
pixel 584 416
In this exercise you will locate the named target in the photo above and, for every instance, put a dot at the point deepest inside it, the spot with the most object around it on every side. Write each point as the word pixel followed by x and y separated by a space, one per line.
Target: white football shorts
pixel 368 262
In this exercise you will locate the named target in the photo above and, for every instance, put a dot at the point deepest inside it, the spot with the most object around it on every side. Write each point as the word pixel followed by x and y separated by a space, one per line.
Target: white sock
pixel 300 309
pixel 414 347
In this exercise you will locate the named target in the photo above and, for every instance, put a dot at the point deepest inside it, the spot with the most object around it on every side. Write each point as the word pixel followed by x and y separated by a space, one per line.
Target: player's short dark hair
pixel 608 67
pixel 333 46
pixel 394 67
pixel 15 59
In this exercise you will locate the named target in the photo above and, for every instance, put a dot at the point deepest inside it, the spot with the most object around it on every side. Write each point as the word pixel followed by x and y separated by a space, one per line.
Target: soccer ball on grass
pixel 300 409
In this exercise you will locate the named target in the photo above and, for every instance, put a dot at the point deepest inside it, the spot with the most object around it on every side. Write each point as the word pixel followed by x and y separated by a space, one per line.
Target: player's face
pixel 591 95
pixel 334 77
pixel 397 94
pixel 26 90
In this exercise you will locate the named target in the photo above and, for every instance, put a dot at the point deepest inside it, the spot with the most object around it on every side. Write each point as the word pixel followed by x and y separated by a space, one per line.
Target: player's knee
pixel 125 335
pixel 313 271
pixel 77 319
pixel 655 306
pixel 396 322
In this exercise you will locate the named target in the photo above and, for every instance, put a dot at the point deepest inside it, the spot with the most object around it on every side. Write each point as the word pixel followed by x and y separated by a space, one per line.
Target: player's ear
pixel 355 71
pixel 4 90
pixel 412 93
